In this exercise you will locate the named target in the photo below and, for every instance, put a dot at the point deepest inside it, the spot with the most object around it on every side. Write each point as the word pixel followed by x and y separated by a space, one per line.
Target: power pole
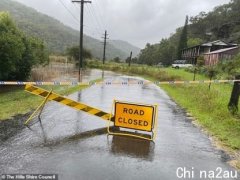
pixel 130 59
pixel 81 37
pixel 104 46
pixel 233 103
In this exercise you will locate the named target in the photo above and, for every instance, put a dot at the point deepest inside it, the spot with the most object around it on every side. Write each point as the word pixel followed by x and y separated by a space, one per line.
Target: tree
pixel 116 59
pixel 149 54
pixel 135 60
pixel 17 53
pixel 211 73
pixel 165 51
pixel 39 52
pixel 230 67
pixel 73 52
pixel 183 39
pixel 127 60
pixel 194 42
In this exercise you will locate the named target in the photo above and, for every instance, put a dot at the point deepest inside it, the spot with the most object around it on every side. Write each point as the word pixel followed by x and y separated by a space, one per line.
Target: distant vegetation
pixel 57 36
pixel 18 52
pixel 73 53
pixel 222 23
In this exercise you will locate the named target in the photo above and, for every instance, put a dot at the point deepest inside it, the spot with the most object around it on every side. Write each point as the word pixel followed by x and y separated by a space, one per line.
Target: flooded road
pixel 61 147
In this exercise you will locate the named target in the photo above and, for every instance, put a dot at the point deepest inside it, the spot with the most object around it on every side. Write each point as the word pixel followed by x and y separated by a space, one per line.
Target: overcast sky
pixel 135 21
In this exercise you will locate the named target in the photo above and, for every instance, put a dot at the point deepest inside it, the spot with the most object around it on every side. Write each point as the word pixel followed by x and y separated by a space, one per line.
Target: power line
pixel 95 25
pixel 77 20
pixel 76 8
pixel 100 11
pixel 96 18
pixel 93 29
pixel 89 27
pixel 100 16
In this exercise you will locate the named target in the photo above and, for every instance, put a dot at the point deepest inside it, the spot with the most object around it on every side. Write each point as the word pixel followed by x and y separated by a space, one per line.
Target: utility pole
pixel 104 46
pixel 233 103
pixel 81 37
pixel 130 59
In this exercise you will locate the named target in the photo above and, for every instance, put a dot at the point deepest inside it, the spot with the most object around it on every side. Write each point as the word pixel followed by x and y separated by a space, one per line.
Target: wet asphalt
pixel 69 145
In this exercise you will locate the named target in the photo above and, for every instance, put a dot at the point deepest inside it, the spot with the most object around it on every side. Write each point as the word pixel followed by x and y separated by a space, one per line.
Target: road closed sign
pixel 134 116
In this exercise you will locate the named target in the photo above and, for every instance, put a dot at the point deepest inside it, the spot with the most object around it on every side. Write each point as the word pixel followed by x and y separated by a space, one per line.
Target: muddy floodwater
pixel 69 145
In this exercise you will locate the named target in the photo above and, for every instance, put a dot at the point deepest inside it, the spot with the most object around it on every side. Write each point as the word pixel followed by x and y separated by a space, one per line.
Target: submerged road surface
pixel 180 149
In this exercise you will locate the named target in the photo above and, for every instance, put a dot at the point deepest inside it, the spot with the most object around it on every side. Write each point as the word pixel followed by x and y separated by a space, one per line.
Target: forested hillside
pixel 56 35
pixel 125 47
pixel 222 23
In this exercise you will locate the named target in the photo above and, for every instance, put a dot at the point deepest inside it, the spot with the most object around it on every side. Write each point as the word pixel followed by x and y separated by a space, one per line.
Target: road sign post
pixel 137 117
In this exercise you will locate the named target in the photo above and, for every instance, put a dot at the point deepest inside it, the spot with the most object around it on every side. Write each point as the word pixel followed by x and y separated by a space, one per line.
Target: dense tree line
pixel 222 23
pixel 18 53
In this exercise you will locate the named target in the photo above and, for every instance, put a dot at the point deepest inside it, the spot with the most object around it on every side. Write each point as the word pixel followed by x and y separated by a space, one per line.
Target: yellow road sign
pixel 134 116
pixel 68 102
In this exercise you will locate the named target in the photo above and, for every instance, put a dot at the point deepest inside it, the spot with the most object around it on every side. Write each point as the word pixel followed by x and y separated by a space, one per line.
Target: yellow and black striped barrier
pixel 68 102
pixel 49 95
pixel 126 82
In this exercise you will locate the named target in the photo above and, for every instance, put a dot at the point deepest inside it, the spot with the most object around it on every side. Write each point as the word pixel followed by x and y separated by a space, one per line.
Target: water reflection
pixel 78 115
pixel 133 147
pixel 102 74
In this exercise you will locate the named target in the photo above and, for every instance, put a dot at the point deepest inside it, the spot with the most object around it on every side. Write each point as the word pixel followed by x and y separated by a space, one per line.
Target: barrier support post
pixel 40 107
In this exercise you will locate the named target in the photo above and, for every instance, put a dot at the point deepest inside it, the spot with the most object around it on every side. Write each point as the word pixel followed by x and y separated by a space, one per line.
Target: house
pixel 191 54
pixel 212 58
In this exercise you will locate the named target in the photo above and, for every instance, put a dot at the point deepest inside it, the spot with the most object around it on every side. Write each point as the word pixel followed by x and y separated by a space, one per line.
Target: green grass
pixel 160 74
pixel 183 74
pixel 14 101
pixel 210 110
pixel 208 107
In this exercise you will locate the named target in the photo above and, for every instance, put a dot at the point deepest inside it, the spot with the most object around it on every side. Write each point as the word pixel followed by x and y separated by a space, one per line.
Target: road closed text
pixel 134 116
pixel 133 121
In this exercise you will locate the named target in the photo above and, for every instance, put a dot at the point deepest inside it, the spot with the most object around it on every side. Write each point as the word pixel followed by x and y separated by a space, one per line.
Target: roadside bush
pixel 229 68
pixel 18 53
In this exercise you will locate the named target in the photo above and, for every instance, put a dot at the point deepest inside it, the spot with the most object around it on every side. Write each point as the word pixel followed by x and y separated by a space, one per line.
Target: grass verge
pixel 15 101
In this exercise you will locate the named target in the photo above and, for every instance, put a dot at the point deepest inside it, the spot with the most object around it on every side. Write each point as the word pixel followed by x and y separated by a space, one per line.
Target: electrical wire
pixel 98 26
pixel 76 19
pixel 91 28
pixel 99 7
pixel 97 18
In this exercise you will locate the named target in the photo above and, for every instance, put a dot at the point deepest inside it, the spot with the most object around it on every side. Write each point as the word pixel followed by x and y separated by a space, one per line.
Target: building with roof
pixel 191 54
pixel 212 58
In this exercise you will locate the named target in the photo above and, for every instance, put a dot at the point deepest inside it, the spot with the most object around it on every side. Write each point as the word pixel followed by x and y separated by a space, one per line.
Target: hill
pixel 56 35
pixel 125 47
